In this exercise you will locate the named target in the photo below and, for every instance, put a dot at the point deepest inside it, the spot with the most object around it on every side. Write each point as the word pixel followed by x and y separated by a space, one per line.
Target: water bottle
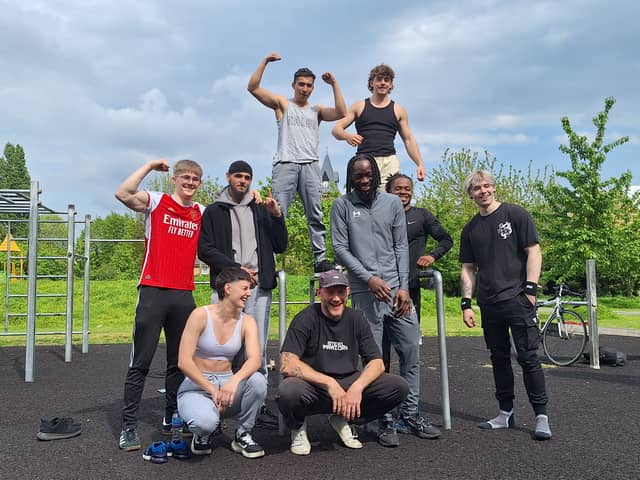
pixel 176 427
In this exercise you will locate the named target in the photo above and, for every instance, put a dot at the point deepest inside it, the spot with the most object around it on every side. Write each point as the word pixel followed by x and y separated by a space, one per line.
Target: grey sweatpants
pixel 202 416
pixel 304 178
pixel 403 333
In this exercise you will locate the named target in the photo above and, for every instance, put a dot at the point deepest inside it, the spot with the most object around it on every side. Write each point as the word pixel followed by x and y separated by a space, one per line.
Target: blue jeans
pixel 403 333
pixel 202 416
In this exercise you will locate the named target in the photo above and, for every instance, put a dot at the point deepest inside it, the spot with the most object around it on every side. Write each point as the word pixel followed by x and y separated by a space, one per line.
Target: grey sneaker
pixel 417 425
pixel 387 435
pixel 129 440
pixel 345 431
pixel 247 446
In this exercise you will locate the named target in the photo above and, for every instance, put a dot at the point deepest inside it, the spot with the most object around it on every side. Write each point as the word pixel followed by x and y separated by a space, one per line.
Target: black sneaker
pixel 267 419
pixel 417 425
pixel 324 266
pixel 387 435
pixel 58 428
pixel 129 440
pixel 201 445
pixel 247 446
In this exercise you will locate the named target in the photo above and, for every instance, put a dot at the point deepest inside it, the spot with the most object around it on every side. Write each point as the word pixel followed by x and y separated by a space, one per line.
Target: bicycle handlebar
pixel 562 290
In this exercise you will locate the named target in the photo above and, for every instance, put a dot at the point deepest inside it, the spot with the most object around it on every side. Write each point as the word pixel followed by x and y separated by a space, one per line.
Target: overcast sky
pixel 91 90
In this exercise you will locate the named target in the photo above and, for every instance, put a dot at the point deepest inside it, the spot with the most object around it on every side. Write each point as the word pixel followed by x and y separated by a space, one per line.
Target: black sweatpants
pixel 298 399
pixel 157 309
pixel 518 315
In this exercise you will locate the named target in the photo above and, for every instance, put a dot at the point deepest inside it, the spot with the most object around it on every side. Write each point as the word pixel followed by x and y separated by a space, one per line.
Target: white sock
pixel 501 421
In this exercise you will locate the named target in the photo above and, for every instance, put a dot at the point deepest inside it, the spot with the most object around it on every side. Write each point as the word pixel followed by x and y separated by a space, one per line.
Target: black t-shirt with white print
pixel 496 244
pixel 331 347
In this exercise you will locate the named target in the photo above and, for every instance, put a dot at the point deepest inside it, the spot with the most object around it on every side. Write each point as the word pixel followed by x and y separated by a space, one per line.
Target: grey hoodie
pixel 243 231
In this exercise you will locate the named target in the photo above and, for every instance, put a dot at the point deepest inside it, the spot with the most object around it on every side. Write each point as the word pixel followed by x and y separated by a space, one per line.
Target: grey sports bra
pixel 208 346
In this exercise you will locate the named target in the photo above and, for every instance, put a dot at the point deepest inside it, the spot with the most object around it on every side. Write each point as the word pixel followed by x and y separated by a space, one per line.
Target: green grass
pixel 112 307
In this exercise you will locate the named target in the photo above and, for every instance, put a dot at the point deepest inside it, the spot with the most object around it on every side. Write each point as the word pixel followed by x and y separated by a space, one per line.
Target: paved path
pixel 595 416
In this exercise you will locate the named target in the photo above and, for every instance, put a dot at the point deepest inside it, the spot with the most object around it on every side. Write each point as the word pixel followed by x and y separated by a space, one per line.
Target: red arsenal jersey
pixel 171 241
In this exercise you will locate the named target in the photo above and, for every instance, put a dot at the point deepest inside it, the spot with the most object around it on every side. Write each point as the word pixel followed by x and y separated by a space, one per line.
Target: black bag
pixel 608 356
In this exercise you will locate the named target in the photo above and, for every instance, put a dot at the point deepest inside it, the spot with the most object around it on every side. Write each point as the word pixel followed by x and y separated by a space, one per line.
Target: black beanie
pixel 240 166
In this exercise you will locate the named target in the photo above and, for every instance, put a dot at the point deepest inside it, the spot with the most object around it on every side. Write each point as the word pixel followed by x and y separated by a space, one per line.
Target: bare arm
pixel 339 129
pixel 349 405
pixel 534 266
pixel 409 140
pixel 339 107
pixel 467 282
pixel 128 192
pixel 192 331
pixel 264 96
pixel 250 365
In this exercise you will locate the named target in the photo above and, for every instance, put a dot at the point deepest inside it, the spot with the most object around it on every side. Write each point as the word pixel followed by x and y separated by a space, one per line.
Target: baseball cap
pixel 332 278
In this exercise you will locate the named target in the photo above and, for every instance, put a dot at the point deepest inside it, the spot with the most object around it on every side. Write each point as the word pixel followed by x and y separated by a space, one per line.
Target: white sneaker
pixel 346 433
pixel 299 441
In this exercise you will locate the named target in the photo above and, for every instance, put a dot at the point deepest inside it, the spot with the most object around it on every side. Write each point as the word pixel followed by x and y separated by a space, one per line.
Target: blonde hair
pixel 476 177
pixel 184 166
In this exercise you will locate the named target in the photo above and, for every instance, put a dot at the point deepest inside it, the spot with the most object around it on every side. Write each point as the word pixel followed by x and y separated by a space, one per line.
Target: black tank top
pixel 378 126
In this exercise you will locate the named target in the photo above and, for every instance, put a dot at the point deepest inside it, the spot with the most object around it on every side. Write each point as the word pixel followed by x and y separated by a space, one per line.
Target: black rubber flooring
pixel 594 414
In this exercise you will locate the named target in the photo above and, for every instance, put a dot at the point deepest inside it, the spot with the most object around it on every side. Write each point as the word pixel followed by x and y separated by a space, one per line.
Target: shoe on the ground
pixel 418 425
pixel 324 266
pixel 299 441
pixel 58 428
pixel 166 429
pixel 267 419
pixel 503 420
pixel 387 434
pixel 247 446
pixel 346 432
pixel 156 453
pixel 129 440
pixel 201 445
pixel 178 449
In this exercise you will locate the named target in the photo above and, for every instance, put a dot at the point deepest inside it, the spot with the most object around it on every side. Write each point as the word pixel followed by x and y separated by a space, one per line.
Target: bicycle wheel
pixel 564 338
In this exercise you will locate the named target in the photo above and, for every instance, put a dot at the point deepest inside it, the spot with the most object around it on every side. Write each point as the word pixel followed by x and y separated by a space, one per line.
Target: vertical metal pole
pixel 8 279
pixel 442 344
pixel 592 305
pixel 282 330
pixel 32 274
pixel 87 276
pixel 71 224
pixel 312 288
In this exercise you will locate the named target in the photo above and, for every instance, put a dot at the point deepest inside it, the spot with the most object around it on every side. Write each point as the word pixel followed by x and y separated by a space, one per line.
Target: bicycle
pixel 564 333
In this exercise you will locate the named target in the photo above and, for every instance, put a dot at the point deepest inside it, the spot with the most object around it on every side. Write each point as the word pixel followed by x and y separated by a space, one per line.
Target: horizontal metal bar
pixel 52 314
pixel 17 334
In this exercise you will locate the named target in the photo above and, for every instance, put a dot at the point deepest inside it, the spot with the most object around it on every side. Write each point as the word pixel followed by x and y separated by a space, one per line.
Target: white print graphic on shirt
pixel 356 213
pixel 504 230
pixel 338 346
pixel 177 226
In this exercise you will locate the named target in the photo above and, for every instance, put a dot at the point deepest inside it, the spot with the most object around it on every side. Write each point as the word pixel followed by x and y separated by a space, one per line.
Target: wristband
pixel 465 303
pixel 530 288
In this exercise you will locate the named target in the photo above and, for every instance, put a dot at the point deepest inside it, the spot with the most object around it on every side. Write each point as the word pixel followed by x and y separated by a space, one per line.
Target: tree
pixel 588 217
pixel 14 175
pixel 112 259
pixel 445 197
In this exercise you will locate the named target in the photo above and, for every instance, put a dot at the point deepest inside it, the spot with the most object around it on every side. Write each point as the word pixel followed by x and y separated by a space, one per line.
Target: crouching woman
pixel 214 334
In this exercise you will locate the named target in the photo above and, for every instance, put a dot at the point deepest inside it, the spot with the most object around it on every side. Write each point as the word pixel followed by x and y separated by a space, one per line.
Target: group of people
pixel 335 359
